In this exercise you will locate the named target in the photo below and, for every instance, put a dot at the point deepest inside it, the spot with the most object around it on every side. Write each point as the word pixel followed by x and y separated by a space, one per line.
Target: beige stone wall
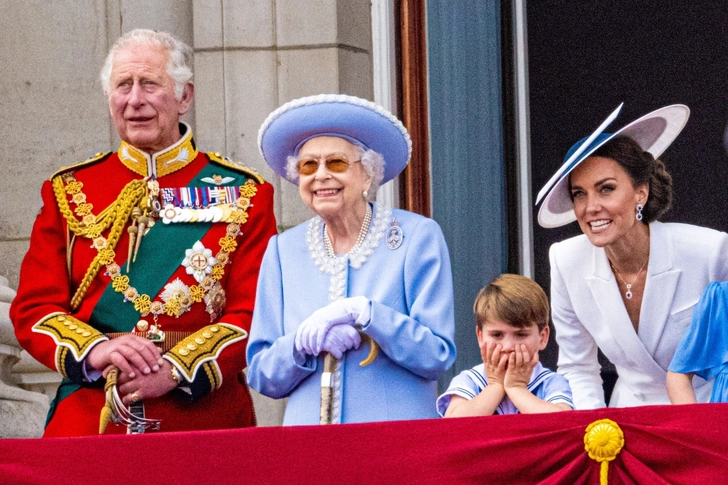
pixel 253 56
pixel 250 57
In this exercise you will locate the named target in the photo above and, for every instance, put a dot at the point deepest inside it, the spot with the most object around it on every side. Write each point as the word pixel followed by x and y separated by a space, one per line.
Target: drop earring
pixel 638 216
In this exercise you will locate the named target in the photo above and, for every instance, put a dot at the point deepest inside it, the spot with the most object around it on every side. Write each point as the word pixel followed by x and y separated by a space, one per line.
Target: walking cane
pixel 327 389
pixel 327 379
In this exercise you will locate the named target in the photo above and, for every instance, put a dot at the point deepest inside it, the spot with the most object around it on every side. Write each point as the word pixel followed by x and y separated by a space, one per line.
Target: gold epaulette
pixel 238 167
pixel 200 350
pixel 70 335
pixel 89 161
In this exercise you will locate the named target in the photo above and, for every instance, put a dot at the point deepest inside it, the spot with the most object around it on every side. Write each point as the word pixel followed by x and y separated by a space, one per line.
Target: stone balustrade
pixel 26 386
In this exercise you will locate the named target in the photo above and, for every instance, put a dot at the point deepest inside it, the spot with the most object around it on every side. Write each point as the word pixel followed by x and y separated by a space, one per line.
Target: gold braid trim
pixel 99 157
pixel 204 346
pixel 238 167
pixel 213 375
pixel 69 333
pixel 61 360
pixel 115 215
pixel 130 195
pixel 101 222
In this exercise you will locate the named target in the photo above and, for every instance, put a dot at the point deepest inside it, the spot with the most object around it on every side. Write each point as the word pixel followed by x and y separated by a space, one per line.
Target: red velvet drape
pixel 662 444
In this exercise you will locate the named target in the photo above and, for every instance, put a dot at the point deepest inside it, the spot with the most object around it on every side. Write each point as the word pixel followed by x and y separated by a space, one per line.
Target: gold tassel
pixel 143 226
pixel 133 230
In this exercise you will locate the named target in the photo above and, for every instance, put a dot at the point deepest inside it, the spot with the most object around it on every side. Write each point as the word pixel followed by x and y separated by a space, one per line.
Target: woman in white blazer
pixel 628 285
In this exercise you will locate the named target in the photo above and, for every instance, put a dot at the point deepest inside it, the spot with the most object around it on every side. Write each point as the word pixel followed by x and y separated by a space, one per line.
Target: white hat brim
pixel 653 132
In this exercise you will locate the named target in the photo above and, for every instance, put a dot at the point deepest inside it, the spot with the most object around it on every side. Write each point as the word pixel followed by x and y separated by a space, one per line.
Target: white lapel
pixel 660 285
pixel 605 293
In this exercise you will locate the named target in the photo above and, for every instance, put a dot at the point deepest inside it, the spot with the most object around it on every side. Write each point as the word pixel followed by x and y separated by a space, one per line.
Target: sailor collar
pixel 161 163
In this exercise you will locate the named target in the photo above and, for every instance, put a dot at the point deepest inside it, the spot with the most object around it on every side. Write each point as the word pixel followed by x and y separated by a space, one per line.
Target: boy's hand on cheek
pixel 520 367
pixel 496 362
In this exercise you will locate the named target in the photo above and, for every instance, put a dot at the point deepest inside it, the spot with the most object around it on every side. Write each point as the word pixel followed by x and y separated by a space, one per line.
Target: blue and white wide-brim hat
pixel 653 132
pixel 286 129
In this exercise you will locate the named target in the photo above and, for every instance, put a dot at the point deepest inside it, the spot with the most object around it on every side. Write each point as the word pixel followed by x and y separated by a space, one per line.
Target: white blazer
pixel 588 312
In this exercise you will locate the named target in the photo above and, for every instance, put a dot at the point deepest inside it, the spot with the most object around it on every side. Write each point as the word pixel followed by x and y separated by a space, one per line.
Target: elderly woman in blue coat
pixel 358 271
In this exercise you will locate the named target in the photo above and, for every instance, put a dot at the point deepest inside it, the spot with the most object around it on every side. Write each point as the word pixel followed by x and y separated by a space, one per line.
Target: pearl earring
pixel 365 194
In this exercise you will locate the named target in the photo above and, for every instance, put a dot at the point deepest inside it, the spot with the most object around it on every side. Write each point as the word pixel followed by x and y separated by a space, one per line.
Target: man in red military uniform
pixel 140 280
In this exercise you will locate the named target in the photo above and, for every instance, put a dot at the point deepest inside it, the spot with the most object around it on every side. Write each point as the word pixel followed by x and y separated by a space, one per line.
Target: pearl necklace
pixel 359 240
pixel 335 266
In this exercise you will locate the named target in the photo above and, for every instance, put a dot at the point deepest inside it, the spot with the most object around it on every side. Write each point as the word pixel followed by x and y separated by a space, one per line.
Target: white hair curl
pixel 178 66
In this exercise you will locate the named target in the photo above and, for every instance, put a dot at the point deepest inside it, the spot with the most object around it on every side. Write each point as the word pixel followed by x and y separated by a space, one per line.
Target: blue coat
pixel 412 319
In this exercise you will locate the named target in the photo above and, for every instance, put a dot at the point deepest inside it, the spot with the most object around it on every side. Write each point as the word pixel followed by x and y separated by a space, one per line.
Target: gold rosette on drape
pixel 603 440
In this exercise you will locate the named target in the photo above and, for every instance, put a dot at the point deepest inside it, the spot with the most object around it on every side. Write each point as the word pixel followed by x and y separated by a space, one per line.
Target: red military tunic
pixel 195 280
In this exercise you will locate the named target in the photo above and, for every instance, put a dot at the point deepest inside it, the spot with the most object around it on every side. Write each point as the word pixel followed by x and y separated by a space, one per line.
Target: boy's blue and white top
pixel 703 349
pixel 545 384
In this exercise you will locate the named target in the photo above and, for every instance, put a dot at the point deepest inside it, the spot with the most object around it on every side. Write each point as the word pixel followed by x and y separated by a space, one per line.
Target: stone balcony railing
pixel 26 386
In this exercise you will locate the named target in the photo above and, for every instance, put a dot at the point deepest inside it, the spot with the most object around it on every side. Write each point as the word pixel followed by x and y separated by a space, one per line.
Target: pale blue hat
pixel 653 132
pixel 357 120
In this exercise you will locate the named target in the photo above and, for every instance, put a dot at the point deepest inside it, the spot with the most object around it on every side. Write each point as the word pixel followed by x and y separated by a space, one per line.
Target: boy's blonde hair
pixel 512 299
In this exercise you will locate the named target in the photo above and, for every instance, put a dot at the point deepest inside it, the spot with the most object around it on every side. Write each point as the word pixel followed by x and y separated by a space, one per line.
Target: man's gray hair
pixel 372 161
pixel 180 56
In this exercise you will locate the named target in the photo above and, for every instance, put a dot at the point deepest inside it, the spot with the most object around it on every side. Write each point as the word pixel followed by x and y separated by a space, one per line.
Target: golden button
pixel 199 340
pixel 214 329
pixel 207 334
pixel 86 333
pixel 191 346
pixel 142 325
pixel 73 327
pixel 60 318
pixel 183 351
pixel 66 323
pixel 79 331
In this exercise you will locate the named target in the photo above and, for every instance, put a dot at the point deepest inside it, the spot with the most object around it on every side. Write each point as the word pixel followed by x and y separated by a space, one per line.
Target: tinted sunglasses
pixel 309 166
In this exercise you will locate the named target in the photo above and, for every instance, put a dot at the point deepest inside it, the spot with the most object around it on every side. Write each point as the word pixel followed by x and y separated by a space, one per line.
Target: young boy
pixel 512 315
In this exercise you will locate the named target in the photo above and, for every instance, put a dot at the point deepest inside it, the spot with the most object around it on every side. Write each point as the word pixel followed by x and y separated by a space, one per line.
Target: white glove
pixel 359 309
pixel 312 331
pixel 339 339
pixel 310 334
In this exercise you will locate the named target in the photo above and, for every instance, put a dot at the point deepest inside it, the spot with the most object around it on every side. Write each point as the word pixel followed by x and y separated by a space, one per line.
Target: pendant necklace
pixel 628 293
